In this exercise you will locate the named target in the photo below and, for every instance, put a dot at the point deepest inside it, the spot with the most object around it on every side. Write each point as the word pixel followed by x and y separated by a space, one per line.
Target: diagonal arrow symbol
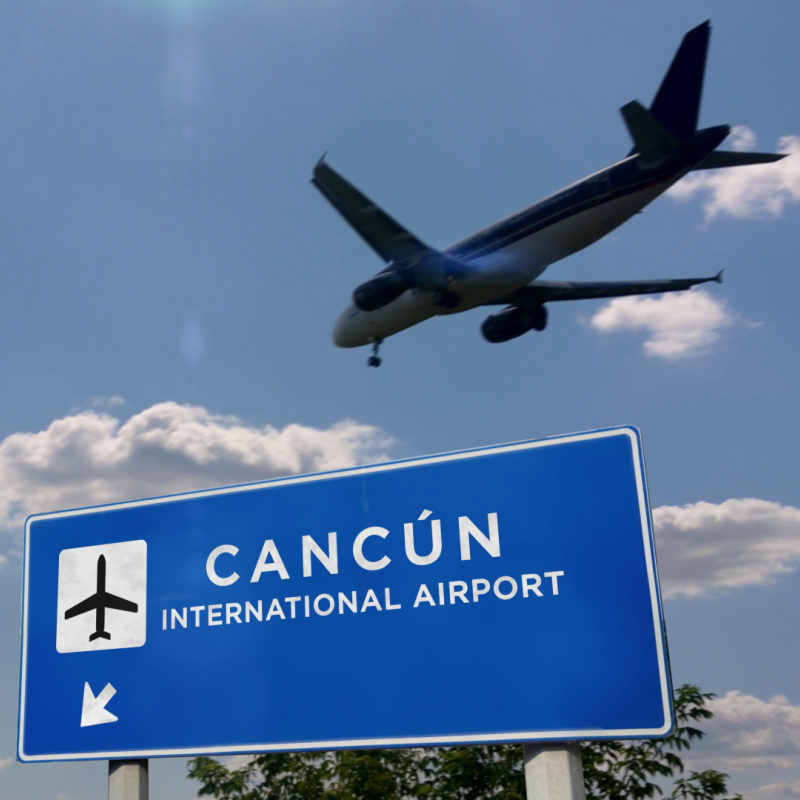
pixel 94 711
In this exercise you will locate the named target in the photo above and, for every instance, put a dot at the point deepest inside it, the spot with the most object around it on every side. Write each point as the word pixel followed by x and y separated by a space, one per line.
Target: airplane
pixel 99 602
pixel 500 265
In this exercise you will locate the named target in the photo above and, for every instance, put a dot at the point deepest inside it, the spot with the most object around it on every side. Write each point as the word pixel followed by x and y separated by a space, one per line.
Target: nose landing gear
pixel 374 360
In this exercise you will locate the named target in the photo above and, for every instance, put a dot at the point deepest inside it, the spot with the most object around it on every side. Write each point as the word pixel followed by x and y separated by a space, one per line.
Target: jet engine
pixel 380 290
pixel 433 272
pixel 513 321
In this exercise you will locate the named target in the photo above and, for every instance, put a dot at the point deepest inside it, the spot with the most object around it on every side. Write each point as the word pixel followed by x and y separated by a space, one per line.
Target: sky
pixel 169 280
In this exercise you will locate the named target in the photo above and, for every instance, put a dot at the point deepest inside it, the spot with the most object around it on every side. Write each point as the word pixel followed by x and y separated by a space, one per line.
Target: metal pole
pixel 127 780
pixel 553 771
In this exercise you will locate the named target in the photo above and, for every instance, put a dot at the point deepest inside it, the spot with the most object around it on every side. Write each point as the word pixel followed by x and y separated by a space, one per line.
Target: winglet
pixel 321 162
pixel 718 276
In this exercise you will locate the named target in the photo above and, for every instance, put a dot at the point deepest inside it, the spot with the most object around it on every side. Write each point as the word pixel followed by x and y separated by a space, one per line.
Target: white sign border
pixel 430 741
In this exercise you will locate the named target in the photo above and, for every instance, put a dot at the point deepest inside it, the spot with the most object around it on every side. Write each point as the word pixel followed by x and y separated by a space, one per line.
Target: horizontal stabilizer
pixel 720 159
pixel 551 291
pixel 651 138
pixel 387 237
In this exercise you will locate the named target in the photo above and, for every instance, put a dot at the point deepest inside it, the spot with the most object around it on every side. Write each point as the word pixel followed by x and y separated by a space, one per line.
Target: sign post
pixel 553 771
pixel 128 780
pixel 501 594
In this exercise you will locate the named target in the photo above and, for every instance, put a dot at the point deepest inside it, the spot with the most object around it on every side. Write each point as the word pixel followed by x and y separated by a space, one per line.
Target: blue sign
pixel 501 594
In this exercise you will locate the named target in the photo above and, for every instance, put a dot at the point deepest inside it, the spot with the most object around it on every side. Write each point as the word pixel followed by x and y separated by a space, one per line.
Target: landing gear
pixel 446 298
pixel 374 360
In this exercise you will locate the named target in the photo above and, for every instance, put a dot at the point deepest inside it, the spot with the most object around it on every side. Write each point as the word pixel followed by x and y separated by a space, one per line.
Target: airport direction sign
pixel 506 593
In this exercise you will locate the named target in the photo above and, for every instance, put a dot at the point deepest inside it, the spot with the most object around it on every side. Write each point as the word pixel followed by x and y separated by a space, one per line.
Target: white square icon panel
pixel 102 597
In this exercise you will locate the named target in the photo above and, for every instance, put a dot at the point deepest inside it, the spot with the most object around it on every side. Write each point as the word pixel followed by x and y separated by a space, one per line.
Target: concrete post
pixel 128 780
pixel 553 771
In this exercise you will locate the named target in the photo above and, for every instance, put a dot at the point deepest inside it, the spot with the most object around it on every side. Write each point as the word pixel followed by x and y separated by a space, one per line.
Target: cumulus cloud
pixel 677 325
pixel 705 547
pixel 753 192
pixel 777 790
pixel 91 457
pixel 749 733
pixel 746 734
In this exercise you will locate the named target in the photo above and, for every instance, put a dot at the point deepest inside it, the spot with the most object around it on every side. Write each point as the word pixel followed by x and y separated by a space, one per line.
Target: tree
pixel 613 770
pixel 628 769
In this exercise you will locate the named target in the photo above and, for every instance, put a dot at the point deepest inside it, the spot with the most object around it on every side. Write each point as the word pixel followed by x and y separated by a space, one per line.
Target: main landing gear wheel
pixel 374 360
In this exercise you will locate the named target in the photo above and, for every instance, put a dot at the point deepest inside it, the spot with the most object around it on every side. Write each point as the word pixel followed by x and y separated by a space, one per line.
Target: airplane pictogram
pixel 99 602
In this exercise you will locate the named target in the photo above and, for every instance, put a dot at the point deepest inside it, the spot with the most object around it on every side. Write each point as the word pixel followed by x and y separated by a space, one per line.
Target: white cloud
pixel 91 457
pixel 103 401
pixel 749 733
pixel 6 762
pixel 777 790
pixel 751 192
pixel 704 547
pixel 753 727
pixel 677 325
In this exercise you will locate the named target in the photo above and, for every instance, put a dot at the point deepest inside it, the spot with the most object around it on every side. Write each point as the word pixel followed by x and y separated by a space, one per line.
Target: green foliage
pixel 613 770
pixel 618 770
pixel 477 773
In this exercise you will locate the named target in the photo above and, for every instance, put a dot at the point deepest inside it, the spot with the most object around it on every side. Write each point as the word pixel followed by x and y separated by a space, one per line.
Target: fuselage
pixel 516 250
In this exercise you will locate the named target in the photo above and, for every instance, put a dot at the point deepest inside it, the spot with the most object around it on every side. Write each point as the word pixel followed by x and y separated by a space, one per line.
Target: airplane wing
pixel 387 237
pixel 550 291
pixel 112 601
pixel 89 604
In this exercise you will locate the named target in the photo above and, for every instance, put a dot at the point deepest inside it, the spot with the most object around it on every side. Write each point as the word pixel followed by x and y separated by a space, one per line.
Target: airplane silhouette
pixel 501 265
pixel 99 602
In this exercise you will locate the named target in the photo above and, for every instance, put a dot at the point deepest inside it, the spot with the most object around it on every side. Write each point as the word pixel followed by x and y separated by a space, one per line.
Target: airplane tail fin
pixel 673 114
pixel 677 101
pixel 99 635
pixel 672 117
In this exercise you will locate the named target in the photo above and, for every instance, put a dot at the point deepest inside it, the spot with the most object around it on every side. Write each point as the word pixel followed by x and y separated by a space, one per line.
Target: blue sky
pixel 170 280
